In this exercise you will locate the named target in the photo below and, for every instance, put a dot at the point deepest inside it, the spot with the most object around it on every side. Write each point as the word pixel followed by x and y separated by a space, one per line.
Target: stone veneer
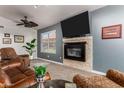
pixel 87 65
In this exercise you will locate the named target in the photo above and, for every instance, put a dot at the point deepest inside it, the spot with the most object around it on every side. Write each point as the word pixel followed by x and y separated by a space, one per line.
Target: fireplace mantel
pixel 77 39
pixel 87 65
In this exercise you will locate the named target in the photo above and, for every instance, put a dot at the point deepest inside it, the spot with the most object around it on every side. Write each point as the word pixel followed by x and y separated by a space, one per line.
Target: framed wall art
pixel 6 35
pixel 112 32
pixel 18 38
pixel 7 41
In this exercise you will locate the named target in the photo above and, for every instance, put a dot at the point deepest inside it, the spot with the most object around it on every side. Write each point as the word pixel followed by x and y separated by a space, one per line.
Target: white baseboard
pixel 51 61
pixel 98 72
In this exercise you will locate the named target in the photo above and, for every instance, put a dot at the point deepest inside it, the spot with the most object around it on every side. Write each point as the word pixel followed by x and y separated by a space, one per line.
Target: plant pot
pixel 40 82
pixel 31 57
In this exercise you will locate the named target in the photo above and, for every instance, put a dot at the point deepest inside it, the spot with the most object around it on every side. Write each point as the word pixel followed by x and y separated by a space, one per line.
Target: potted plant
pixel 40 72
pixel 29 47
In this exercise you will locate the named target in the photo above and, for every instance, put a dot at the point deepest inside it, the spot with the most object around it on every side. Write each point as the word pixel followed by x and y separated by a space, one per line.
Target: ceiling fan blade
pixel 33 24
pixel 19 24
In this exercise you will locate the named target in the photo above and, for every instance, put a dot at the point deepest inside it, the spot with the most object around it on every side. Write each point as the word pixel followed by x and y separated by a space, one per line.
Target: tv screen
pixel 76 26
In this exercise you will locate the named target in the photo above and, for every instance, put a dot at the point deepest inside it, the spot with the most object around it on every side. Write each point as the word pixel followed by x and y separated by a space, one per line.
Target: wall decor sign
pixel 18 39
pixel 7 40
pixel 111 32
pixel 6 35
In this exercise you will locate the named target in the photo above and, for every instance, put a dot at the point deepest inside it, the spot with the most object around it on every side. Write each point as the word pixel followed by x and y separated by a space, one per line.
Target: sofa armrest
pixel 116 76
pixel 96 81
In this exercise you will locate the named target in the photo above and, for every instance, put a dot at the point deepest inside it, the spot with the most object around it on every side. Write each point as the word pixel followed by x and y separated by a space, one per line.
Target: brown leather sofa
pixel 14 70
pixel 10 58
pixel 112 79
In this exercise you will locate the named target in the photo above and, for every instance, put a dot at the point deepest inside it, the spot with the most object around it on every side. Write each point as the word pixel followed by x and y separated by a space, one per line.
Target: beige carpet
pixel 60 71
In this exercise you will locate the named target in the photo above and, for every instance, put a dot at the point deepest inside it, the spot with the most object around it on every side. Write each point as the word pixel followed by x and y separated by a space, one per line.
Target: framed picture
pixel 18 39
pixel 6 35
pixel 7 40
pixel 112 32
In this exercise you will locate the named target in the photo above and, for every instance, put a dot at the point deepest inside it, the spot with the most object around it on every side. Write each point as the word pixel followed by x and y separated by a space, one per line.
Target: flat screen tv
pixel 76 26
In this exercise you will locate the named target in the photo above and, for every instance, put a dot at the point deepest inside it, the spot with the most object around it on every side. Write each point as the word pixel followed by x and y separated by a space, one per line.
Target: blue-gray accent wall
pixel 108 53
pixel 58 57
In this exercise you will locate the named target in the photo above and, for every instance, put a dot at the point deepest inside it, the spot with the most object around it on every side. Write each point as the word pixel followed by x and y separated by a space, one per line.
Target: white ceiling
pixel 43 15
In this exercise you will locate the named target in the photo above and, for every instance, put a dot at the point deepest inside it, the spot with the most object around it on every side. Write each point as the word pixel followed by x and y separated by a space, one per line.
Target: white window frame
pixel 48 32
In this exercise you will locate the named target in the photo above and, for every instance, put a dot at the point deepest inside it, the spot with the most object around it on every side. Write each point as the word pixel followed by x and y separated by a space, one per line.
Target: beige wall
pixel 11 28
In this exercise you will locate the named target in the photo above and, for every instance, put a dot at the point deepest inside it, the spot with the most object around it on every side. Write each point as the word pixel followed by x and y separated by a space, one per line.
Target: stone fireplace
pixel 78 52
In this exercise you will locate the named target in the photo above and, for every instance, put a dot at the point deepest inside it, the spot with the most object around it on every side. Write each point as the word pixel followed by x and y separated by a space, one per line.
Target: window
pixel 48 42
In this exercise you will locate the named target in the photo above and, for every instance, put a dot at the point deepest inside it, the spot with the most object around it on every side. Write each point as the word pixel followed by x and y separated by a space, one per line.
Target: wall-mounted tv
pixel 76 26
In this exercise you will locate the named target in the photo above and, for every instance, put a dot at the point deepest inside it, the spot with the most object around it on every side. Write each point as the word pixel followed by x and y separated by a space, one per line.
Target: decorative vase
pixel 40 81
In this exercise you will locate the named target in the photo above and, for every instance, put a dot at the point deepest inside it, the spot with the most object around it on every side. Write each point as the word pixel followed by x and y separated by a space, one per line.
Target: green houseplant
pixel 29 47
pixel 40 71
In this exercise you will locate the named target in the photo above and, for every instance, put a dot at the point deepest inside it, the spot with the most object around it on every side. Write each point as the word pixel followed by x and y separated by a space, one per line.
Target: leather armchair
pixel 14 70
pixel 16 78
pixel 9 56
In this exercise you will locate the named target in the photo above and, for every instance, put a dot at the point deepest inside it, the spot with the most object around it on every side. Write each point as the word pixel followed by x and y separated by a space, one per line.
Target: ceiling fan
pixel 27 23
